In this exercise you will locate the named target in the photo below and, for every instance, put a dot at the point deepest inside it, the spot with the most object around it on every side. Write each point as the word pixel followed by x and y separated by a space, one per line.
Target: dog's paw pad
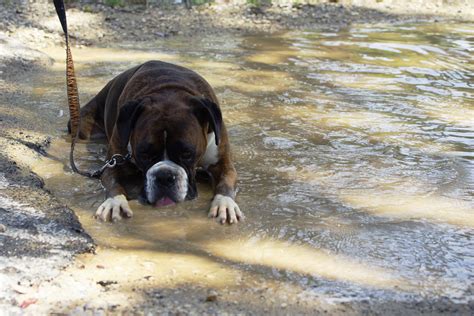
pixel 113 209
pixel 225 210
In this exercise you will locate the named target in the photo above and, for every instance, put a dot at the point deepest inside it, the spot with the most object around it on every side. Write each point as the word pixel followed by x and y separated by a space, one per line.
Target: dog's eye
pixel 186 155
pixel 145 156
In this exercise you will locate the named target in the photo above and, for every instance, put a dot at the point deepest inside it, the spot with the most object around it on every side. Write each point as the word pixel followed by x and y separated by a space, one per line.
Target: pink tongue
pixel 164 202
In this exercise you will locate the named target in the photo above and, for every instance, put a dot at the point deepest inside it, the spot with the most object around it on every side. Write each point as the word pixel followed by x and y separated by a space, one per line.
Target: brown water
pixel 355 153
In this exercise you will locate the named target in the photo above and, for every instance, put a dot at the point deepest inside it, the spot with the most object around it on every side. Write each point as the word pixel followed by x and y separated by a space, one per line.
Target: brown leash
pixel 74 106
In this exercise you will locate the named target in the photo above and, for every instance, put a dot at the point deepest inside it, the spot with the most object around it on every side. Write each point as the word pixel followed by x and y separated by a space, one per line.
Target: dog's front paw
pixel 225 209
pixel 114 209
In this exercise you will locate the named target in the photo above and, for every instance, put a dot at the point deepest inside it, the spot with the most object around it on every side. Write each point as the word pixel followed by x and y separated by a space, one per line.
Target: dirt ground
pixel 40 237
pixel 97 24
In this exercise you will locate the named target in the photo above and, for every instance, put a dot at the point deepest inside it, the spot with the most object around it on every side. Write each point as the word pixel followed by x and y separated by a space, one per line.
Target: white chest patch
pixel 211 156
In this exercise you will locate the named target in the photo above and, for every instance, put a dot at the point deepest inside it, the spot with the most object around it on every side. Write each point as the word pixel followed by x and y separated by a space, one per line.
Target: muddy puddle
pixel 354 150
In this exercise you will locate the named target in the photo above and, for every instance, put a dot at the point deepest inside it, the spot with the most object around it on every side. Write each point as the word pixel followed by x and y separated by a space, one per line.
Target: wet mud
pixel 39 235
pixel 354 150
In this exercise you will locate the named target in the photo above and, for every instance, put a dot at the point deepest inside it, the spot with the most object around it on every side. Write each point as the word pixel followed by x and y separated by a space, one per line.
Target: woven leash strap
pixel 72 93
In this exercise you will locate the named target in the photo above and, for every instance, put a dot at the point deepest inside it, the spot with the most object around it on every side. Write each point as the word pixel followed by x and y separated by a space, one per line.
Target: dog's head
pixel 167 138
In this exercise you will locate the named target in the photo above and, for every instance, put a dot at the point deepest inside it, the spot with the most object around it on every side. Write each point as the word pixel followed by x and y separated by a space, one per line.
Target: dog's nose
pixel 165 178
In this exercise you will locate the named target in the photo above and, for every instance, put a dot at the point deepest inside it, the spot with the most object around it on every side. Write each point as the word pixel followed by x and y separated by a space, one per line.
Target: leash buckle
pixel 115 160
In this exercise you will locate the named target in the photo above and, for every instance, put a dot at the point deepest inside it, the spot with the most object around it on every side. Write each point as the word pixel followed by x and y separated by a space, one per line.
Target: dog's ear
pixel 126 120
pixel 207 111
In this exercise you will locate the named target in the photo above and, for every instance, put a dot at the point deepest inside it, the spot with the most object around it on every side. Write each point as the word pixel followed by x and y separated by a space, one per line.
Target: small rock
pixel 106 283
pixel 99 266
pixel 3 228
pixel 10 270
pixel 283 305
pixel 212 296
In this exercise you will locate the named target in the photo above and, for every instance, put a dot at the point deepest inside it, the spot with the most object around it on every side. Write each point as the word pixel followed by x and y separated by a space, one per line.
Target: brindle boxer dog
pixel 168 118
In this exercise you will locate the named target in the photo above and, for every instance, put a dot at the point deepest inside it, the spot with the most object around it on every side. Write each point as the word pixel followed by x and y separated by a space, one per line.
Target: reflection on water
pixel 355 155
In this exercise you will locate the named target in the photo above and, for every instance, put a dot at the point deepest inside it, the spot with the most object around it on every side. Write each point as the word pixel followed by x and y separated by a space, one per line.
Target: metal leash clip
pixel 115 160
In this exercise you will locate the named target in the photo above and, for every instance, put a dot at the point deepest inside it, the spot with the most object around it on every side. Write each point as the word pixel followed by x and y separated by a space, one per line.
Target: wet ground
pixel 354 149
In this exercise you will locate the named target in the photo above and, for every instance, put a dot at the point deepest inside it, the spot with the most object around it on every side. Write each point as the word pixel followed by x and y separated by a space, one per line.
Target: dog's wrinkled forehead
pixel 163 133
pixel 167 139
pixel 178 124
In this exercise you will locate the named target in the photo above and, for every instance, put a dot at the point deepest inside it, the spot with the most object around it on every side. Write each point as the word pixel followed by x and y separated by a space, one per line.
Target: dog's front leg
pixel 116 205
pixel 223 206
